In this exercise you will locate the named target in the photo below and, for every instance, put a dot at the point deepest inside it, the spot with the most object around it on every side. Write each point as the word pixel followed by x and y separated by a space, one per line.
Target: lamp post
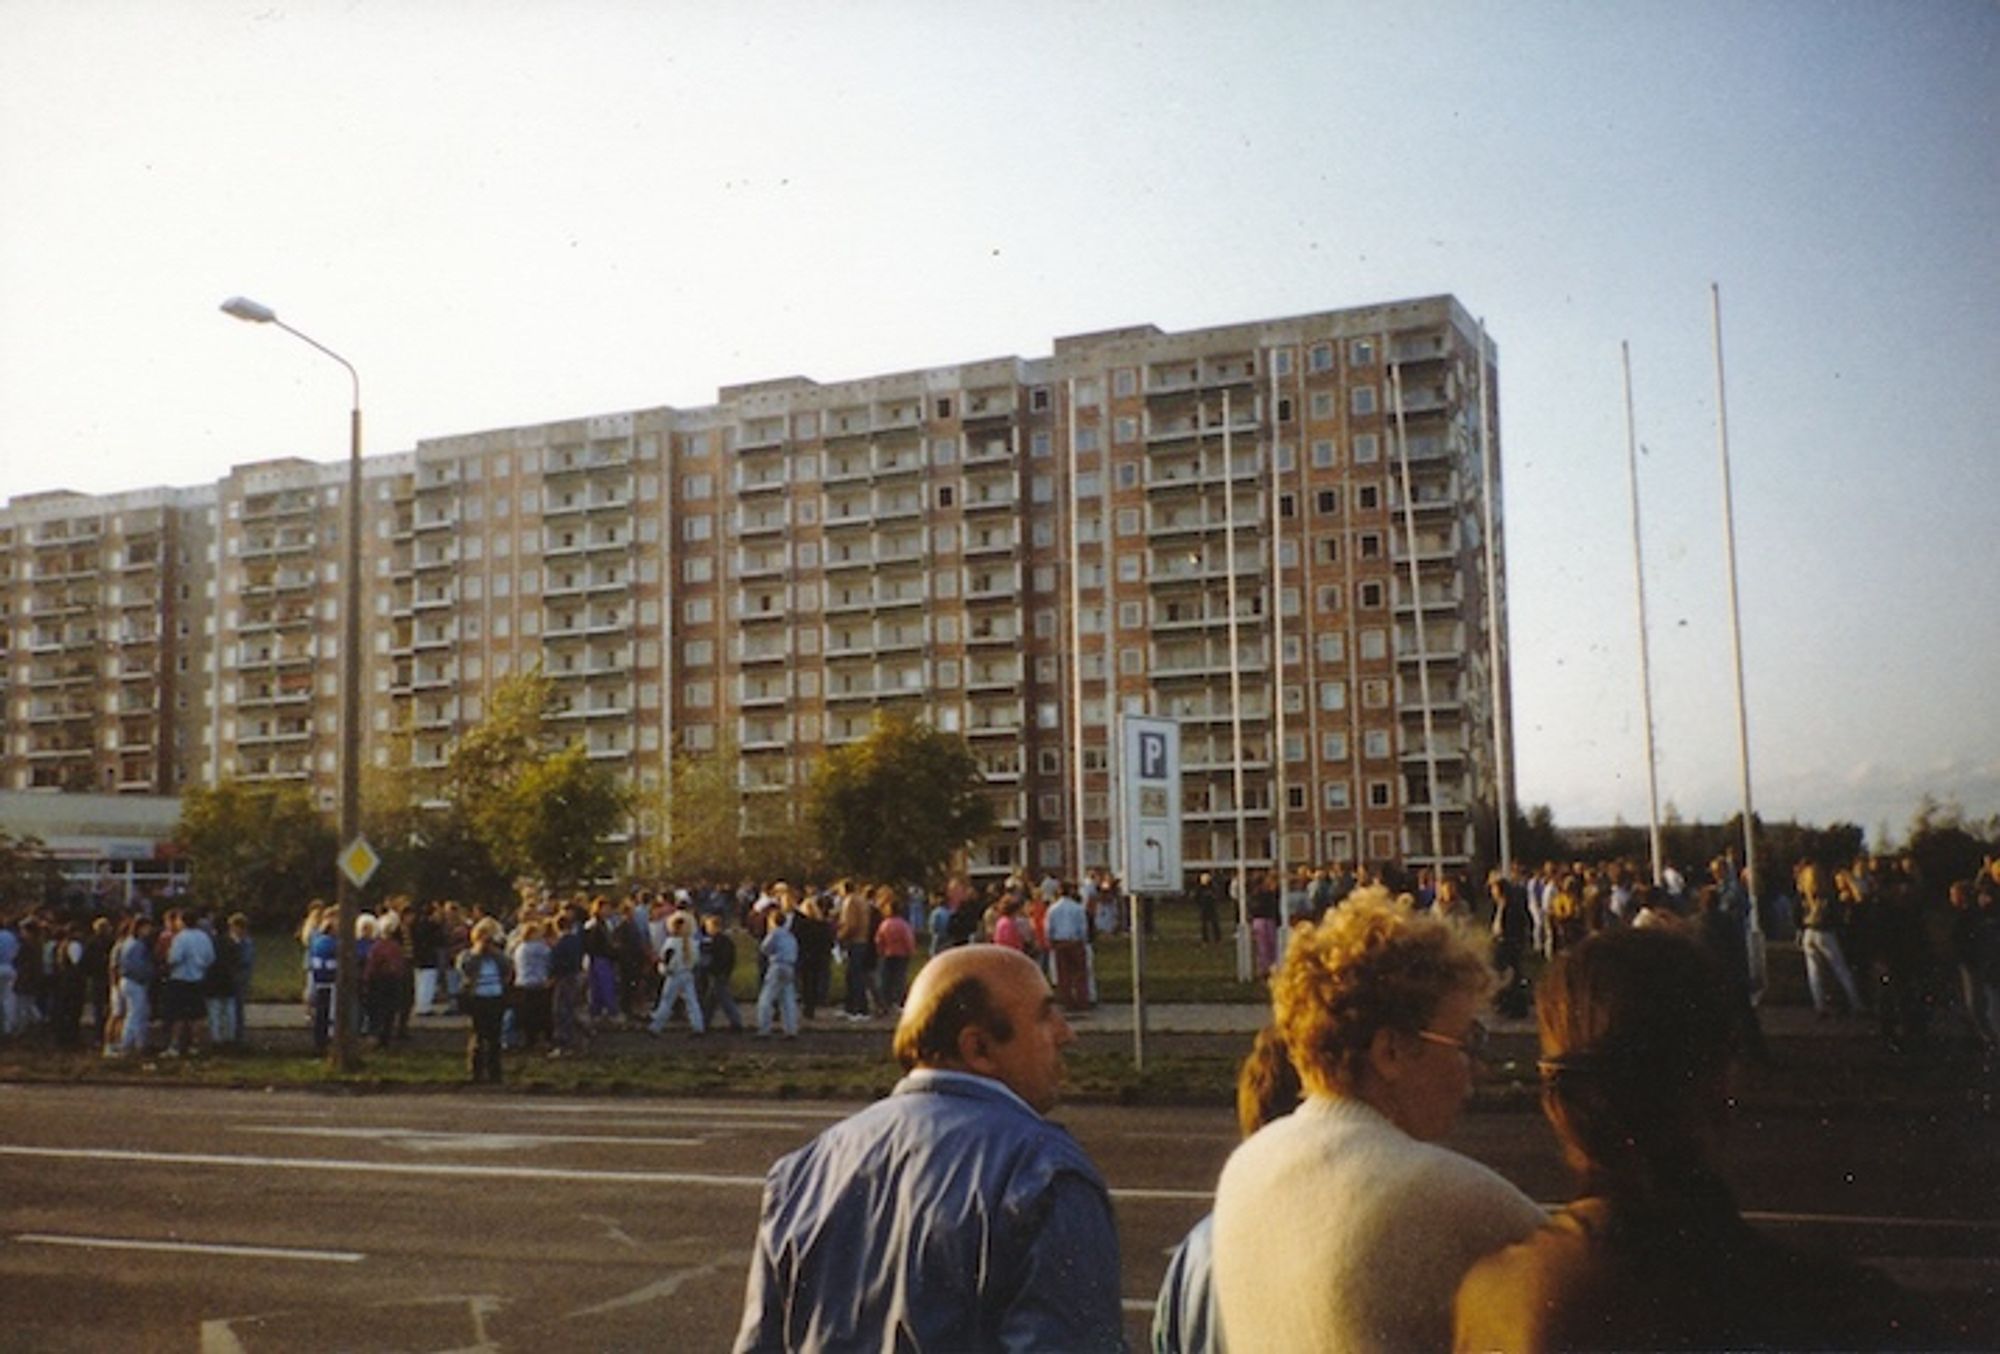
pixel 346 978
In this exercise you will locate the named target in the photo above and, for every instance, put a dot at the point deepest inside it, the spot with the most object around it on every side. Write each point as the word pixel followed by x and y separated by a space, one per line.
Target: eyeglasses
pixel 1473 1045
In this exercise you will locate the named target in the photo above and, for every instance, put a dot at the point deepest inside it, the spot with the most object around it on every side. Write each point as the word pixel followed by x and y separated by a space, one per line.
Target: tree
pixel 551 822
pixel 262 851
pixel 1534 836
pixel 897 805
pixel 701 816
pixel 29 874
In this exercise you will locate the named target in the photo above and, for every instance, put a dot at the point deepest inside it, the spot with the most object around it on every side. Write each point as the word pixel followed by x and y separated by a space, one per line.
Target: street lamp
pixel 346 978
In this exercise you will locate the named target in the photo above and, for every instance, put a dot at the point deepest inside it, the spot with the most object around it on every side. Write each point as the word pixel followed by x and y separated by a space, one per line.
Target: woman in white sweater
pixel 1344 1226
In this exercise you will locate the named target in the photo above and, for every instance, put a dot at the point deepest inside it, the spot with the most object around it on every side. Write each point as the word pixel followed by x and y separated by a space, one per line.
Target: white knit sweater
pixel 1335 1230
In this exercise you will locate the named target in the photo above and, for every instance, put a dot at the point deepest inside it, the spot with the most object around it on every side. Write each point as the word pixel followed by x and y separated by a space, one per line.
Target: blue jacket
pixel 949 1216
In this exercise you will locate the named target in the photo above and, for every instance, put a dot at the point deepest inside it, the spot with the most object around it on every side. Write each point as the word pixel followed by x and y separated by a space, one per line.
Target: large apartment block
pixel 1275 532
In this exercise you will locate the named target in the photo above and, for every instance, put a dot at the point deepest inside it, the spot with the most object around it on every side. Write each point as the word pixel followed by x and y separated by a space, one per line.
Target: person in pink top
pixel 895 943
pixel 1009 929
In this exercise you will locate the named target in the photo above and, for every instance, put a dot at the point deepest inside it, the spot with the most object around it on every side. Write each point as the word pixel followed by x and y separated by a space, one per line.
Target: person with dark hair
pixel 1638 1028
pixel 1186 1316
pixel 950 1215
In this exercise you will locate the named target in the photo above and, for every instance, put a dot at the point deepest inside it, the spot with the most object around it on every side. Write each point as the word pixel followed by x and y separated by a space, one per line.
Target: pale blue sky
pixel 508 213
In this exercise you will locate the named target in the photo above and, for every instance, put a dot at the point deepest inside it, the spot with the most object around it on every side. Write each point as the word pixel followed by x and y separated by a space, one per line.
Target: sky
pixel 507 213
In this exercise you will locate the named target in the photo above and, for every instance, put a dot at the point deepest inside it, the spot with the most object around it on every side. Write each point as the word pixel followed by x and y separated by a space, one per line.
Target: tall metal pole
pixel 1417 615
pixel 1244 966
pixel 1645 656
pixel 1735 617
pixel 345 1056
pixel 1497 675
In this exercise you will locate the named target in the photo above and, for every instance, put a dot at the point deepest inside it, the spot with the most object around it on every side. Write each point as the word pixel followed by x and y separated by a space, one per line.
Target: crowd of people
pixel 127 986
pixel 953 1214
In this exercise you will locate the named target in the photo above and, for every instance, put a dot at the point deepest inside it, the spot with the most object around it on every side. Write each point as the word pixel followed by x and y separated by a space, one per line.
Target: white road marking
pixel 437 1140
pixel 114 1243
pixel 652 1292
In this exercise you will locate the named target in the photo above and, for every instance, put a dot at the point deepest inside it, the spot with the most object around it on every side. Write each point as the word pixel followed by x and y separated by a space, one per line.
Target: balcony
pixel 983 405
pixel 760 563
pixel 577 460
pixel 993 629
pixel 761 691
pixel 985 451
pixel 767 647
pixel 907 635
pixel 1188 427
pixel 762 521
pixel 987 495
pixel 271 545
pixel 1201 660
pixel 1196 520
pixel 990 540
pixel 891 506
pixel 760 433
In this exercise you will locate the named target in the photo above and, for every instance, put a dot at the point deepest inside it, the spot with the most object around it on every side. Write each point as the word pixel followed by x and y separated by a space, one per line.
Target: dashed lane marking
pixel 125 1243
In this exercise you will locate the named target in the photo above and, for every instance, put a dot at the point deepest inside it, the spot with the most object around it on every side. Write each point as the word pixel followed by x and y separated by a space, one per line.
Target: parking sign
pixel 1150 800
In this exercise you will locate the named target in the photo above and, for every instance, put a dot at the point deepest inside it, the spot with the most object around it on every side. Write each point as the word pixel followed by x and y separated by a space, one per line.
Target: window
pixel 1284 410
pixel 1128 475
pixel 944 495
pixel 1361 400
pixel 698 695
pixel 1043 532
pixel 1333 695
pixel 1368 497
pixel 1332 647
pixel 1129 616
pixel 1048 762
pixel 1295 796
pixel 1322 453
pixel 697 569
pixel 1045 578
pixel 1371 599
pixel 1320 357
pixel 1327 550
pixel 1286 457
pixel 1375 694
pixel 1361 353
pixel 1128 521
pixel 1371 545
pixel 1048 715
pixel 1333 747
pixel 1295 751
pixel 1086 439
pixel 698 653
pixel 1038 444
pixel 944 406
pixel 1322 404
pixel 1288 505
pixel 1086 394
pixel 1124 382
pixel 1339 794
pixel 701 610
pixel 697 486
pixel 1128 568
pixel 944 450
pixel 1375 744
pixel 1042 488
pixel 1367 449
pixel 1327 502
pixel 1131 661
pixel 1281 361
pixel 1038 401
pixel 698 737
pixel 1125 430
pixel 1381 794
pixel 698 527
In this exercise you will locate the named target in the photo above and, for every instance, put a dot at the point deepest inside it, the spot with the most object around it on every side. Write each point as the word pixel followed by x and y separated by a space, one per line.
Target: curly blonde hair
pixel 1371 965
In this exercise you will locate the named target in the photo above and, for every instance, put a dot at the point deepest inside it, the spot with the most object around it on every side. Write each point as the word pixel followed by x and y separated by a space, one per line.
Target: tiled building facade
pixel 1014 549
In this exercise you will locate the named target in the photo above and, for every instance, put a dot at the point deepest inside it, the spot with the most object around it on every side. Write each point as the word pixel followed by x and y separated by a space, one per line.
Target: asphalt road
pixel 147 1218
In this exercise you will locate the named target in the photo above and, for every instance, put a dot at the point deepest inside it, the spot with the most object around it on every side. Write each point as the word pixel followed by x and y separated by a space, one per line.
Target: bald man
pixel 952 1215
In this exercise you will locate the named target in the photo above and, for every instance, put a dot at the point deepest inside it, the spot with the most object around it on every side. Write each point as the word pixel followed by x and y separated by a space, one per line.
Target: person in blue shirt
pixel 951 1215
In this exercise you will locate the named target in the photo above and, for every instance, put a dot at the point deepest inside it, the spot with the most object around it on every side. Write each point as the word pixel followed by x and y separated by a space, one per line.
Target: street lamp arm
pixel 256 312
pixel 352 374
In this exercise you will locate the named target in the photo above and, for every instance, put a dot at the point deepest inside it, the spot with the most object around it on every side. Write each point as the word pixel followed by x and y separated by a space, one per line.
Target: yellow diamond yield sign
pixel 359 862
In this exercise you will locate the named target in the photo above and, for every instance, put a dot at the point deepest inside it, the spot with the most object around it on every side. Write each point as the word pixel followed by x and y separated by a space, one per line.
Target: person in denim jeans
pixel 133 962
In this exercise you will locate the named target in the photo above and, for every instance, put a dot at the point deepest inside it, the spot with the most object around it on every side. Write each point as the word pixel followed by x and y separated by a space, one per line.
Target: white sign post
pixel 1149 803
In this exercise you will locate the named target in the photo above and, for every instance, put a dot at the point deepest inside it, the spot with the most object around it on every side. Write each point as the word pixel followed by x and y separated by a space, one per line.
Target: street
pixel 230 1220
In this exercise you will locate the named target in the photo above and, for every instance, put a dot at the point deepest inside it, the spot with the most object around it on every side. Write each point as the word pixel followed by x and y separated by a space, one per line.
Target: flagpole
pixel 1735 617
pixel 1498 675
pixel 1645 656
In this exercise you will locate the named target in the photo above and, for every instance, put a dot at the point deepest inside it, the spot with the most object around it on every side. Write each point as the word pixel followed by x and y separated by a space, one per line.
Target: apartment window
pixel 1086 394
pixel 1281 361
pixel 1327 501
pixel 1333 695
pixel 1284 410
pixel 1045 578
pixel 1368 497
pixel 697 569
pixel 1045 668
pixel 1048 805
pixel 1131 661
pixel 1367 448
pixel 1045 624
pixel 701 610
pixel 1128 475
pixel 944 406
pixel 1295 751
pixel 1320 357
pixel 944 450
pixel 1129 616
pixel 1375 744
pixel 1333 747
pixel 698 695
pixel 1327 550
pixel 1086 439
pixel 1124 382
pixel 1339 794
pixel 947 672
pixel 1043 533
pixel 1361 400
pixel 698 737
pixel 1038 444
pixel 1374 644
pixel 1375 694
pixel 1048 715
pixel 1042 488
pixel 1128 568
pixel 1322 404
pixel 1332 646
pixel 697 486
pixel 808 510
pixel 1128 521
pixel 1371 545
pixel 1090 620
pixel 944 496
pixel 1125 431
pixel 698 527
pixel 698 653
pixel 1361 353
pixel 1381 794
pixel 1038 399
pixel 1371 599
pixel 1288 505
